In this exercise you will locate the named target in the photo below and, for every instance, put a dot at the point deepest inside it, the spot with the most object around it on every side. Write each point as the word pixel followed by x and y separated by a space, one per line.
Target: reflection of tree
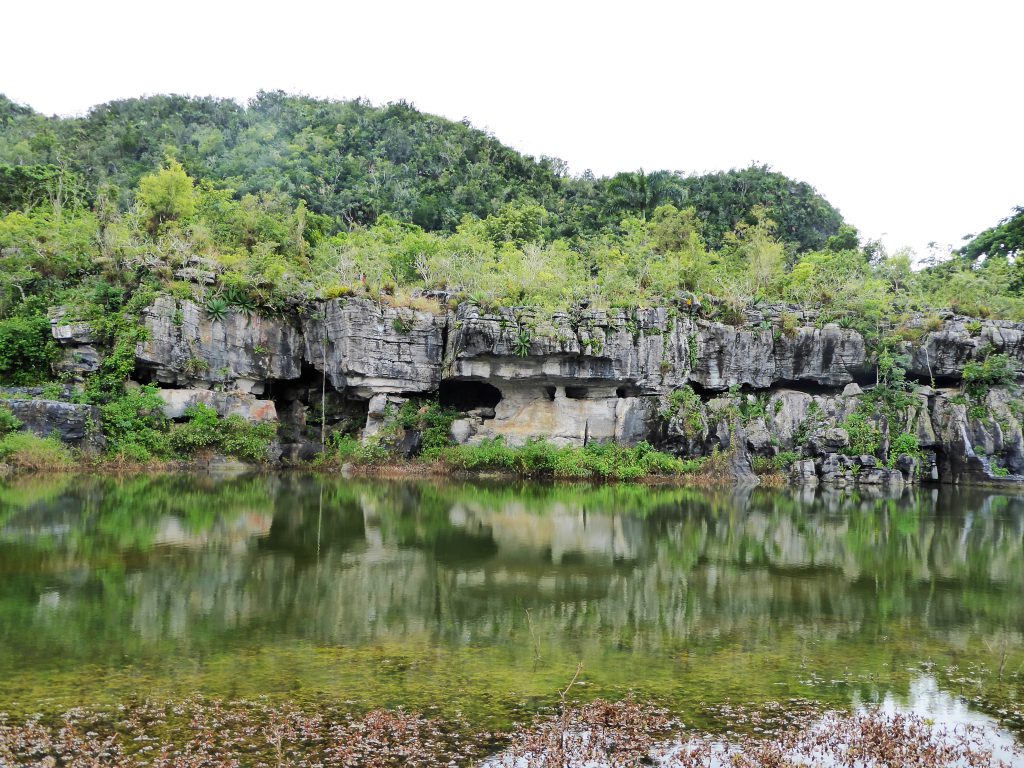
pixel 352 562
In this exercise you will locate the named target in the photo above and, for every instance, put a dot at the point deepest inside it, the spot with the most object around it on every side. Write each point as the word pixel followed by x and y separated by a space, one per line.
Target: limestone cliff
pixel 782 380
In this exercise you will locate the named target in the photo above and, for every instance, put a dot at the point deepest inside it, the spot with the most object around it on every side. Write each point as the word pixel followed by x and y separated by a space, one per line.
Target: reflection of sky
pixel 926 700
pixel 948 715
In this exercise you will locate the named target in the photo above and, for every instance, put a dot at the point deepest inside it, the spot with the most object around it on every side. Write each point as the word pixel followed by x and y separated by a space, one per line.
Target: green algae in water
pixel 480 600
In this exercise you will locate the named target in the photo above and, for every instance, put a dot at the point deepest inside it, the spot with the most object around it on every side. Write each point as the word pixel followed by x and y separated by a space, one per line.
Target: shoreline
pixel 411 469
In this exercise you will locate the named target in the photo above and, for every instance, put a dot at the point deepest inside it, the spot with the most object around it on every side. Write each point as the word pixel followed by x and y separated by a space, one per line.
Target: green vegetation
pixel 904 444
pixel 993 370
pixel 263 208
pixel 232 435
pixel 432 421
pixel 780 462
pixel 1003 241
pixel 8 421
pixel 292 198
pixel 980 376
pixel 23 450
pixel 539 458
pixel 685 405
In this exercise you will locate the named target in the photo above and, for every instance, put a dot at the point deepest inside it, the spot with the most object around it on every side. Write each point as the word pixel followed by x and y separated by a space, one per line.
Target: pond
pixel 481 600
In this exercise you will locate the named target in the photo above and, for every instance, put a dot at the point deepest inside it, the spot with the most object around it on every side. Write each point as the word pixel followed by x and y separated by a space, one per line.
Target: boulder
pixel 177 401
pixel 77 425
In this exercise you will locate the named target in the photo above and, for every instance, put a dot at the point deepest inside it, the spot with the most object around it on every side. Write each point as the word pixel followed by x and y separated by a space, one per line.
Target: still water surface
pixel 482 599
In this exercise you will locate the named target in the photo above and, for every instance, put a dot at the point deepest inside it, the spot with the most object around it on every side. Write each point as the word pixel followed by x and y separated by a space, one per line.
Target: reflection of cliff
pixel 352 562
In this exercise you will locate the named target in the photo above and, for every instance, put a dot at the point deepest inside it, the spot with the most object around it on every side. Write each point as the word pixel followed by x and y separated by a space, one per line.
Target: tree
pixel 805 219
pixel 167 195
pixel 639 194
pixel 1005 239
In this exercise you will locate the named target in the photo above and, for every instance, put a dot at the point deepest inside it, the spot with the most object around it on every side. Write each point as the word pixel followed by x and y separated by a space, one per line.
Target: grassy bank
pixel 140 438
pixel 536 458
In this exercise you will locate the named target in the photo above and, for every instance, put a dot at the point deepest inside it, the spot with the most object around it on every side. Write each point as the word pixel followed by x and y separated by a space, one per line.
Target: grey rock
pixel 75 424
pixel 187 347
pixel 369 350
pixel 177 401
pixel 835 439
pixel 804 473
pixel 383 411
pixel 462 430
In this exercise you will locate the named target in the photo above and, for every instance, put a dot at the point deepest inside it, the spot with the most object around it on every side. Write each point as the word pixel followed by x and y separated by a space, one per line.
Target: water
pixel 480 600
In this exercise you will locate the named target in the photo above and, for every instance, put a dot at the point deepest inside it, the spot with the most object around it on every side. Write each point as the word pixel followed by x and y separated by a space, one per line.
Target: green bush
pixel 685 405
pixel 8 421
pixel 26 349
pixel 232 435
pixel 343 449
pixel 245 440
pixel 904 444
pixel 994 370
pixel 763 465
pixel 25 450
pixel 434 423
pixel 135 426
pixel 864 435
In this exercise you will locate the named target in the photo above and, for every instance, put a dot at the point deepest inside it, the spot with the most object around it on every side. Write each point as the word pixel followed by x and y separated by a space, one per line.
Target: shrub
pixel 245 440
pixel 789 324
pixel 685 405
pixel 26 349
pixel 992 371
pixel 342 448
pixel 233 435
pixel 904 444
pixel 763 465
pixel 864 435
pixel 8 421
pixel 432 421
pixel 135 425
pixel 539 458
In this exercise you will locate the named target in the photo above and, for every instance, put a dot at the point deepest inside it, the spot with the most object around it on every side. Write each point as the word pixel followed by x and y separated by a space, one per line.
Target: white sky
pixel 907 116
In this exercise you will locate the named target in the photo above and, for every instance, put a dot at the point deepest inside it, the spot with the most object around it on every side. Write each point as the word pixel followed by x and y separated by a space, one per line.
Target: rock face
pixel 77 425
pixel 243 404
pixel 370 350
pixel 780 382
pixel 943 353
pixel 187 348
pixel 80 356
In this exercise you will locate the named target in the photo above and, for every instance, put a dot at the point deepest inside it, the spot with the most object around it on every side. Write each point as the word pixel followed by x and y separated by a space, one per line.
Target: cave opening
pixel 467 395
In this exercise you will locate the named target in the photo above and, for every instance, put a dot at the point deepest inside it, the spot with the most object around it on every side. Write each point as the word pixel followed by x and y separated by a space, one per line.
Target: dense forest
pixel 267 206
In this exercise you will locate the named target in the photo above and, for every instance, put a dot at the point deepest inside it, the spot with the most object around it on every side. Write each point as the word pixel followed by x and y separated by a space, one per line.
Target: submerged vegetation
pixel 197 732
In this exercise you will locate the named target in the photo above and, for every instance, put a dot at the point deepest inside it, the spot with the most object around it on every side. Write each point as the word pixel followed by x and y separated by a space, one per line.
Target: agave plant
pixel 521 343
pixel 217 308
pixel 246 305
pixel 234 294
